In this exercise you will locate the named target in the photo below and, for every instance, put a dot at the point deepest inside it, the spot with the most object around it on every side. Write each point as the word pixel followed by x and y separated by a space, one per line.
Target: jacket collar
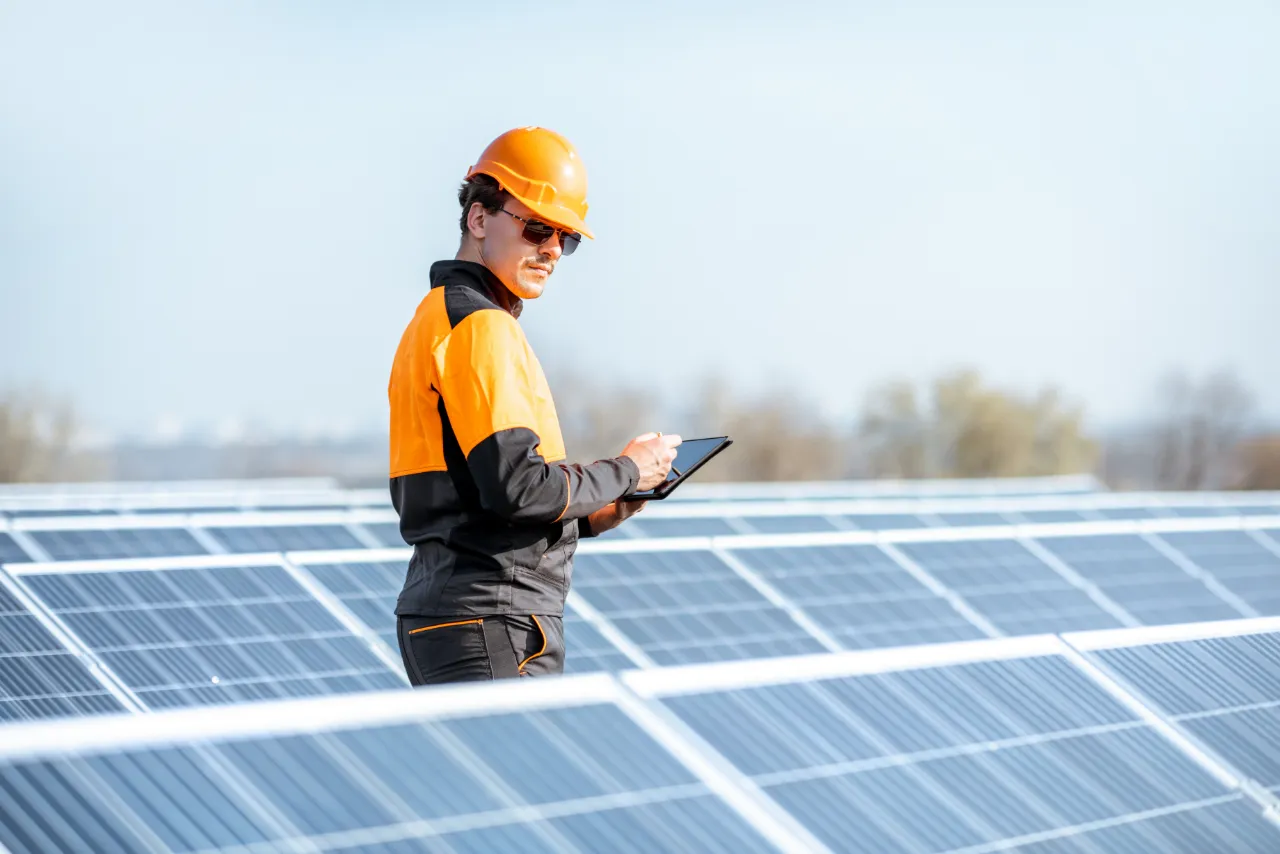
pixel 478 277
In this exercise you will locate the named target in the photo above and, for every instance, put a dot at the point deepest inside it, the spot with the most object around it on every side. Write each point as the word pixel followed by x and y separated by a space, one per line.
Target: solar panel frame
pixel 1215 711
pixel 706 680
pixel 453 724
pixel 152 638
pixel 701 608
pixel 1143 578
pixel 35 652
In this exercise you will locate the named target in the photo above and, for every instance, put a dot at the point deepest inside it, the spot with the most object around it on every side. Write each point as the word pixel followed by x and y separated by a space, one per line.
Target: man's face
pixel 522 267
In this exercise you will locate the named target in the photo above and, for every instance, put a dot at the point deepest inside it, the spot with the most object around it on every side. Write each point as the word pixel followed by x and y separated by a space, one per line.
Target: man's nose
pixel 551 247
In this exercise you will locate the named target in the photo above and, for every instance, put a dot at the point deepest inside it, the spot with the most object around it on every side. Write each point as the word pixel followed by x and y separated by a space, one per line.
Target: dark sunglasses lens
pixel 537 232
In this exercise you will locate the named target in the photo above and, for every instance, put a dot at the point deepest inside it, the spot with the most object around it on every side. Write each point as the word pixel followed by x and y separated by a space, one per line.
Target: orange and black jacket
pixel 477 459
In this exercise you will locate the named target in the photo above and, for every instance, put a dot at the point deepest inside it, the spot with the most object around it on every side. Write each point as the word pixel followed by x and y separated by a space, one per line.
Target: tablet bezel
pixel 669 486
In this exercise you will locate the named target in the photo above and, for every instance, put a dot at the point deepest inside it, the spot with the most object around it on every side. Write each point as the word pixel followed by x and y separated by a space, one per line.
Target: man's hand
pixel 653 454
pixel 612 515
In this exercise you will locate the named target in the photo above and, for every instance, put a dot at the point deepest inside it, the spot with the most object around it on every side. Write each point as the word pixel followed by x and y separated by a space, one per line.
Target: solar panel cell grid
pixel 686 606
pixel 39 677
pixel 587 651
pixel 988 756
pixel 963 520
pixel 790 524
pixel 1225 691
pixel 1049 517
pixel 1119 513
pixel 883 521
pixel 107 544
pixel 283 538
pixel 368 590
pixel 696 527
pixel 1140 579
pixel 1245 566
pixel 859 594
pixel 1010 586
pixel 387 533
pixel 581 779
pixel 10 551
pixel 212 635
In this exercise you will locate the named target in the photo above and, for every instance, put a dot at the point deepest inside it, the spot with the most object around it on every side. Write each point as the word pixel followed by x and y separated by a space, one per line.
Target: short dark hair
pixel 480 188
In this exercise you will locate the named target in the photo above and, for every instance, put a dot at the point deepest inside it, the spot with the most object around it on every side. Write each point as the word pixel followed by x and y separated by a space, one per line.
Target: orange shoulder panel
pixel 492 381
pixel 417 436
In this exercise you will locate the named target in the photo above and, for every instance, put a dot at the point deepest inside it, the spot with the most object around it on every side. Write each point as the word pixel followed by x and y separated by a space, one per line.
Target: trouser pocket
pixel 477 649
pixel 539 644
pixel 436 650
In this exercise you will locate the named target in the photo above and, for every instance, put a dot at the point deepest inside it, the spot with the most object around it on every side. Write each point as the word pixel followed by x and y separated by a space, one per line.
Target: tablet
pixel 691 455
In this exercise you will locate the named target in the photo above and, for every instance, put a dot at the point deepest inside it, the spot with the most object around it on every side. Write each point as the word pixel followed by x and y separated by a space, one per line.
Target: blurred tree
pixel 35 440
pixel 1259 463
pixel 893 432
pixel 1199 428
pixel 776 437
pixel 971 430
pixel 599 419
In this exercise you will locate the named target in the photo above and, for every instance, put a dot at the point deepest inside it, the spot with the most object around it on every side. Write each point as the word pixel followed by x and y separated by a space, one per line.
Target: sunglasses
pixel 538 233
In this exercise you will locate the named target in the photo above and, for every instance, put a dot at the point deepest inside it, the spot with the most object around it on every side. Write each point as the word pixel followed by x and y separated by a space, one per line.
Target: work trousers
pixel 478 649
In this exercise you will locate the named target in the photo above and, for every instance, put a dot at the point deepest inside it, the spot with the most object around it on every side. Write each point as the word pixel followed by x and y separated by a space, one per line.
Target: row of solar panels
pixel 123 536
pixel 324 494
pixel 87 637
pixel 1136 740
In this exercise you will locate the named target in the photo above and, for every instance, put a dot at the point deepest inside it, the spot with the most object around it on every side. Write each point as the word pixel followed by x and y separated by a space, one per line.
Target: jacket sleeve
pixel 496 399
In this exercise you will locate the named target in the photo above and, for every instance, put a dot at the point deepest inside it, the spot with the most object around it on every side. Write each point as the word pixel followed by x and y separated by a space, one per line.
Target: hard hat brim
pixel 558 215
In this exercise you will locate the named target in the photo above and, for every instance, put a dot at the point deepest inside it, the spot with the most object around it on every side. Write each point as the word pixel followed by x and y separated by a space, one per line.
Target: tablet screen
pixel 689 453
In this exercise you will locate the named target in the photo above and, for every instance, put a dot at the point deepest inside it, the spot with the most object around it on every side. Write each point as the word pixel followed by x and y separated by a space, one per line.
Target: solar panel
pixel 965 520
pixel 387 533
pixel 1024 753
pixel 198 635
pixel 588 651
pixel 245 539
pixel 39 677
pixel 1225 691
pixel 1049 517
pixel 109 543
pixel 10 551
pixel 1140 579
pixel 1243 565
pixel 1196 511
pixel 859 595
pixel 1256 509
pixel 686 606
pixel 1133 512
pixel 694 527
pixel 790 524
pixel 1010 586
pixel 20 513
pixel 576 776
pixel 368 590
pixel 883 521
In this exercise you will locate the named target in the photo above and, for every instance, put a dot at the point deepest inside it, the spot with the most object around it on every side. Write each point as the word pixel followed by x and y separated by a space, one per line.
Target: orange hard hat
pixel 542 169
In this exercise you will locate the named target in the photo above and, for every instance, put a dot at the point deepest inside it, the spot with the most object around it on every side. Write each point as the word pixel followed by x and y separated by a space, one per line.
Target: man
pixel 477 458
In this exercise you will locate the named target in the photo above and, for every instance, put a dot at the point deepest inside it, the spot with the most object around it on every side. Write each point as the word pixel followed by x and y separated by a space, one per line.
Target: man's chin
pixel 528 290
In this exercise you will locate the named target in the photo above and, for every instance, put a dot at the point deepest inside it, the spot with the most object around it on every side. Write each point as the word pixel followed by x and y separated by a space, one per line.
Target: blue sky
pixel 215 212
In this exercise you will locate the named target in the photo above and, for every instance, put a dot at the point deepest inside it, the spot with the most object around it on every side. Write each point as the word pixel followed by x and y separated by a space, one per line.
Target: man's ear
pixel 477 219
